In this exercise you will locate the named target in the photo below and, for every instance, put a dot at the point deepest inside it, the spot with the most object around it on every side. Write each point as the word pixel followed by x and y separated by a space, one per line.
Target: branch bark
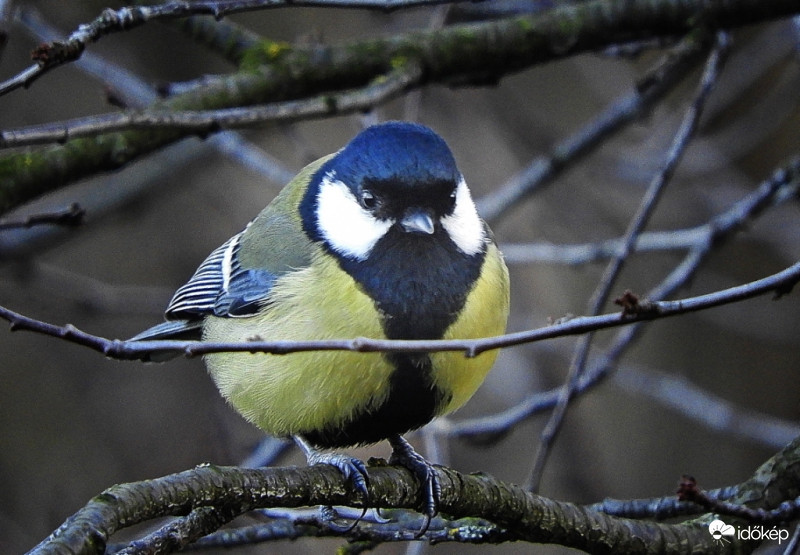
pixel 522 515
pixel 460 54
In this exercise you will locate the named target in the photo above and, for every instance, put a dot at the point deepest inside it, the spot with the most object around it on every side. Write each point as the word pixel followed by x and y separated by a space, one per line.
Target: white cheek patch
pixel 464 225
pixel 348 228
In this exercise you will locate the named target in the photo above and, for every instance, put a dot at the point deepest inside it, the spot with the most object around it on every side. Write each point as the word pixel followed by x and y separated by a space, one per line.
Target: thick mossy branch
pixel 522 515
pixel 777 480
pixel 460 54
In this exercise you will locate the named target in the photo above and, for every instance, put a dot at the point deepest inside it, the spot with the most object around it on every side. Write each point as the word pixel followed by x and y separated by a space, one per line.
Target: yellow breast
pixel 287 394
pixel 302 392
pixel 484 315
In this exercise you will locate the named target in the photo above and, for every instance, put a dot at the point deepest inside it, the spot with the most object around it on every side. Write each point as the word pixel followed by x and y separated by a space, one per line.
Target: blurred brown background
pixel 73 423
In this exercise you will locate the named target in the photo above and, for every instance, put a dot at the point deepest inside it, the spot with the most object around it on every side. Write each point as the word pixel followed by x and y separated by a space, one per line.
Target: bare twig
pixel 780 284
pixel 673 392
pixel 132 90
pixel 680 394
pixel 180 532
pixel 656 19
pixel 464 54
pixel 659 508
pixel 227 38
pixel 283 526
pixel 688 490
pixel 210 121
pixel 596 372
pixel 70 217
pixel 639 220
pixel 599 369
pixel 266 452
pixel 579 254
pixel 137 93
pixel 667 73
pixel 782 185
pixel 56 53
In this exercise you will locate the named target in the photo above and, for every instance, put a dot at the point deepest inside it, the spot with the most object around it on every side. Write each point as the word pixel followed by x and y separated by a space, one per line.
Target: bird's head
pixel 392 179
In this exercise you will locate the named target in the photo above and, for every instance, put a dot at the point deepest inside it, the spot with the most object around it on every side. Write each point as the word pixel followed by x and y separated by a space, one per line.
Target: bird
pixel 381 239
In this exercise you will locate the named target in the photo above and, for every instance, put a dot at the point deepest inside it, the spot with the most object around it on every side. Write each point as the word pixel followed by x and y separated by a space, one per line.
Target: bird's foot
pixel 404 455
pixel 332 518
pixel 354 471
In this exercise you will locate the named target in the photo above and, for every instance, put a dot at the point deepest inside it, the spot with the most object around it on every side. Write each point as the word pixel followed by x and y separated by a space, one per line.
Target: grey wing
pixel 219 287
pixel 222 287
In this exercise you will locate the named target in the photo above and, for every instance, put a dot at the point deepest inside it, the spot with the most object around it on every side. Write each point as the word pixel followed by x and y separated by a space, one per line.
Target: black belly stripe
pixel 437 279
pixel 412 402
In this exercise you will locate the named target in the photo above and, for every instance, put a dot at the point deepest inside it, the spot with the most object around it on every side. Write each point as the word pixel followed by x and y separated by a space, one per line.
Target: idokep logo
pixel 724 533
pixel 721 532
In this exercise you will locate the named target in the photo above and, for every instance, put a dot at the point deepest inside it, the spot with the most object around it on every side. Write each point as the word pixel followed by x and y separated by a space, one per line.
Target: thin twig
pixel 137 93
pixel 780 284
pixel 51 55
pixel 599 369
pixel 647 206
pixel 179 533
pixel 203 122
pixel 783 184
pixel 659 508
pixel 579 254
pixel 667 73
pixel 132 90
pixel 673 392
pixel 228 38
pixel 688 490
pixel 70 217
pixel 680 394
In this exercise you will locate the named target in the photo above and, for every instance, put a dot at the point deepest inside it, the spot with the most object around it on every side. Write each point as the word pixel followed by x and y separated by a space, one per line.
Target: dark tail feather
pixel 171 329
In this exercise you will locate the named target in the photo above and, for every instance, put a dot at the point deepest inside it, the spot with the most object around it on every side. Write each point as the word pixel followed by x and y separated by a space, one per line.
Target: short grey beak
pixel 417 221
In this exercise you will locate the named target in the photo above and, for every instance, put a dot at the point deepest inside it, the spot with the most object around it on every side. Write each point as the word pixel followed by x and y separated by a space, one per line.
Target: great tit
pixel 380 239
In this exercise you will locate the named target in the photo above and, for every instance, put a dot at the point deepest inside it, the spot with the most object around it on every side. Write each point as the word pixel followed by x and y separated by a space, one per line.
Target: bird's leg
pixel 354 470
pixel 404 455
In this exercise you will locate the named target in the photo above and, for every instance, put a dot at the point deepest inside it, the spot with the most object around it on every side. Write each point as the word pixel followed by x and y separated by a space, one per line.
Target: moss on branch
pixel 520 516
pixel 460 54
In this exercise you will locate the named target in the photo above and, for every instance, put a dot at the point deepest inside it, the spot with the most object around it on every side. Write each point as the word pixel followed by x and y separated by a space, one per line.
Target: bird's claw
pixel 354 470
pixel 404 455
pixel 329 516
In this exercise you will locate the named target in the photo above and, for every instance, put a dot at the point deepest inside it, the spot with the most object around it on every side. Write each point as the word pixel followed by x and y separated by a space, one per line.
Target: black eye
pixel 368 200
